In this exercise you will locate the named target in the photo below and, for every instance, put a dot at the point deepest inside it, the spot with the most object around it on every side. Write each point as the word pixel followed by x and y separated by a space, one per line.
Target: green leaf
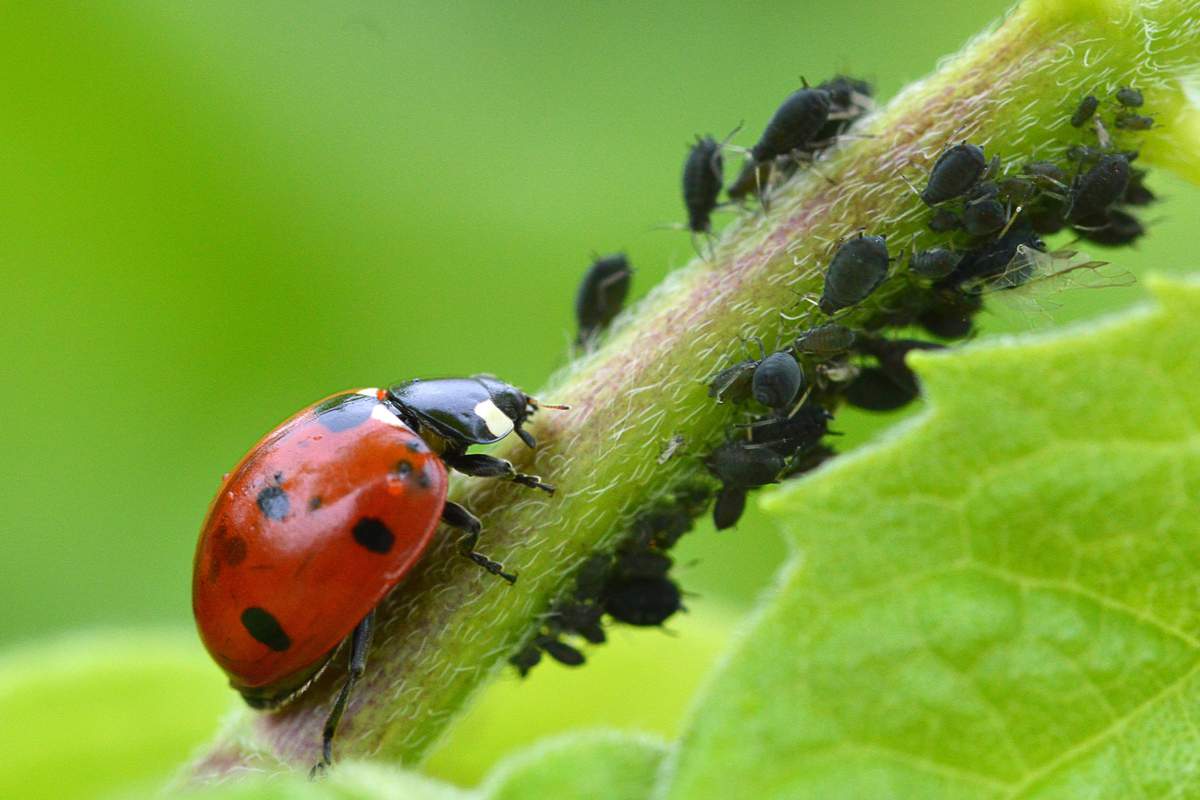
pixel 1000 600
pixel 607 764
pixel 92 712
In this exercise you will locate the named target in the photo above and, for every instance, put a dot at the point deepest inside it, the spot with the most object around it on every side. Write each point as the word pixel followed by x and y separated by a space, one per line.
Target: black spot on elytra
pixel 273 502
pixel 372 534
pixel 314 503
pixel 260 624
pixel 403 468
pixel 345 411
pixel 233 550
pixel 415 446
pixel 423 479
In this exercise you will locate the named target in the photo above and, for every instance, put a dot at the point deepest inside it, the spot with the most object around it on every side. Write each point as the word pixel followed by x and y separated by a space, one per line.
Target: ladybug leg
pixel 360 642
pixel 456 516
pixel 482 466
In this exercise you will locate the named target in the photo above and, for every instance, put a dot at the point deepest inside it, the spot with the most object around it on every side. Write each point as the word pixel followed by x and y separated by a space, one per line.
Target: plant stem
pixel 449 627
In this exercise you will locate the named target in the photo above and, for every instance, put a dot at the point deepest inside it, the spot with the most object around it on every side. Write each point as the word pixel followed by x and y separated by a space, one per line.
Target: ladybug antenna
pixel 556 407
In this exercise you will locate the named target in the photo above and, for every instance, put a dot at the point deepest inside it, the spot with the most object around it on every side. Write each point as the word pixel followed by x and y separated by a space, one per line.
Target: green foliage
pixel 581 766
pixel 1021 624
pixel 642 680
pixel 93 712
pixel 614 766
pixel 1001 600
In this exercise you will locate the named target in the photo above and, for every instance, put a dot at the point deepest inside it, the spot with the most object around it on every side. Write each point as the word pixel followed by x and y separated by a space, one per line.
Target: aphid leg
pixel 801 157
pixel 1012 217
pixel 800 404
pixel 478 465
pixel 456 516
pixel 360 643
pixel 762 348
pixel 993 169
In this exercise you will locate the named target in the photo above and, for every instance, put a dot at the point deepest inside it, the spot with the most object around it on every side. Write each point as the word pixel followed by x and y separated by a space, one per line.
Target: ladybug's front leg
pixel 481 466
pixel 360 642
pixel 456 516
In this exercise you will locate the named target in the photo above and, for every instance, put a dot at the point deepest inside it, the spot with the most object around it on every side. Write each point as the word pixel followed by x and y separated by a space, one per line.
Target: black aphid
pixel 857 269
pixel 934 263
pixel 731 503
pixel 579 618
pixel 825 340
pixel 1087 107
pixel 1018 190
pixel 1100 187
pixel 1089 155
pixel 984 217
pixel 846 91
pixel 1115 229
pixel 642 601
pixel 950 313
pixel 590 577
pixel 733 383
pixel 874 390
pixel 1130 97
pixel 993 258
pixel 850 99
pixel 560 651
pixel 944 220
pixel 526 659
pixel 740 463
pixel 892 355
pixel 601 294
pixel 1135 122
pixel 955 172
pixel 662 528
pixel 639 562
pixel 808 461
pixel 1047 171
pixel 795 125
pixel 793 434
pixel 777 381
pixel 703 174
pixel 983 190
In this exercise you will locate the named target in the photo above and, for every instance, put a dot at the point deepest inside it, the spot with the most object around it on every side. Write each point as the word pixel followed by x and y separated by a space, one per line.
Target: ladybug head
pixel 514 403
pixel 463 411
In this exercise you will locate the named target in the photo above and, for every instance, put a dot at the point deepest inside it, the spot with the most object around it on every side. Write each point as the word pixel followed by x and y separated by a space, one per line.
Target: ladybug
pixel 327 513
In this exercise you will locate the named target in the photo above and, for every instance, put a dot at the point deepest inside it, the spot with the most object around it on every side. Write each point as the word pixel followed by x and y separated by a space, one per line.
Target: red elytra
pixel 319 521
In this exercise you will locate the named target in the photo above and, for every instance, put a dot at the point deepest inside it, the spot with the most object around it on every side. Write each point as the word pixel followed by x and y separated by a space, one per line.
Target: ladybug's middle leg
pixel 483 466
pixel 360 642
pixel 456 516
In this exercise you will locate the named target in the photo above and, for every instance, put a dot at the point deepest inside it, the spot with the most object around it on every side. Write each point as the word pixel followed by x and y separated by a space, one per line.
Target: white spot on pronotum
pixel 497 421
pixel 380 413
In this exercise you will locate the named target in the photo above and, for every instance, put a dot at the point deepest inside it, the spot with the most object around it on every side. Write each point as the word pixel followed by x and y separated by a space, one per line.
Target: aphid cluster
pixel 809 120
pixel 629 586
pixel 992 221
pixel 987 221
pixel 1093 190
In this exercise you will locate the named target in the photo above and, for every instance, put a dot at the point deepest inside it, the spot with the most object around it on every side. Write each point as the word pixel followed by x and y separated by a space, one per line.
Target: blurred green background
pixel 212 214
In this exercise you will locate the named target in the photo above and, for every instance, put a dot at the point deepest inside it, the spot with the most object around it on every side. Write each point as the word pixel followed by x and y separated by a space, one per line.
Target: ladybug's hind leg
pixel 483 466
pixel 456 516
pixel 360 642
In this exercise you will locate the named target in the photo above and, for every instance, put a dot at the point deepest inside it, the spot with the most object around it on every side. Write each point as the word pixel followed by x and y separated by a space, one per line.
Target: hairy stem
pixel 449 627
